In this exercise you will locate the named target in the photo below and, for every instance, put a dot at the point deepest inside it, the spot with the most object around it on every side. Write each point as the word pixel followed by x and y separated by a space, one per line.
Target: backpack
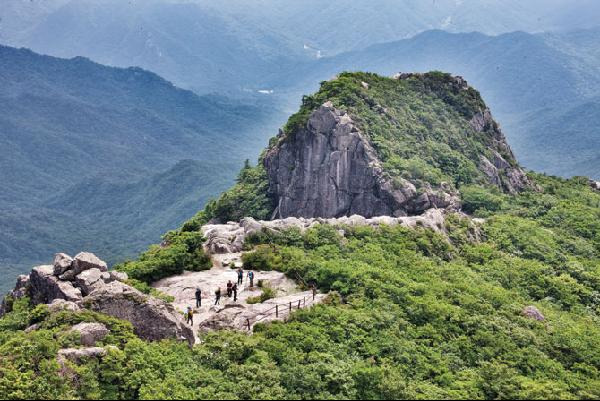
pixel 251 275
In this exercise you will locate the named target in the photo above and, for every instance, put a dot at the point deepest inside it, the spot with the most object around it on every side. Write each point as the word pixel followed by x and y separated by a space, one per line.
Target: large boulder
pixel 90 333
pixel 77 355
pixel 22 288
pixel 533 313
pixel 62 263
pixel 152 318
pixel 46 287
pixel 117 276
pixel 89 280
pixel 59 305
pixel 84 261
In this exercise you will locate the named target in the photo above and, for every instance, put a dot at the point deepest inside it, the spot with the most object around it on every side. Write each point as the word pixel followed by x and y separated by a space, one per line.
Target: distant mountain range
pixel 229 46
pixel 543 87
pixel 89 154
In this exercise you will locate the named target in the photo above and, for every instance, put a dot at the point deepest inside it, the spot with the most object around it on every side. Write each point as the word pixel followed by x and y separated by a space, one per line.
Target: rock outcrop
pixel 533 313
pixel 90 333
pixel 229 238
pixel 84 282
pixel 329 169
pixel 152 318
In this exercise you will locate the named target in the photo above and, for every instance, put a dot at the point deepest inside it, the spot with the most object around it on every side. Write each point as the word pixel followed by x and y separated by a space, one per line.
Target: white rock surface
pixel 229 238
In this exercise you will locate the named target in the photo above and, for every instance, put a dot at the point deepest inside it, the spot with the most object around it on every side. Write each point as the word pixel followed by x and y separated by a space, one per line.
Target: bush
pixel 477 199
pixel 267 293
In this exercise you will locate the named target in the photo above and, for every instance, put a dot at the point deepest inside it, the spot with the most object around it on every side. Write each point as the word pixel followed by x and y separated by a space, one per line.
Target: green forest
pixel 411 313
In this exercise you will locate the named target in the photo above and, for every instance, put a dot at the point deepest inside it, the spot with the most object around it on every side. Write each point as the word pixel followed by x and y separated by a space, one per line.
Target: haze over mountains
pixel 94 156
pixel 542 87
pixel 89 154
pixel 231 45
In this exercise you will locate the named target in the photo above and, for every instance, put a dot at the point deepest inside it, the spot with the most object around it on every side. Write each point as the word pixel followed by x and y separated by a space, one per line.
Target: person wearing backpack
pixel 240 273
pixel 189 316
pixel 251 278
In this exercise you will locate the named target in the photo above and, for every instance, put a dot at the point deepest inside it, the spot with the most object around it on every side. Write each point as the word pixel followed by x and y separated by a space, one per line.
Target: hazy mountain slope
pixel 527 78
pixel 64 120
pixel 85 150
pixel 361 23
pixel 184 42
pixel 229 46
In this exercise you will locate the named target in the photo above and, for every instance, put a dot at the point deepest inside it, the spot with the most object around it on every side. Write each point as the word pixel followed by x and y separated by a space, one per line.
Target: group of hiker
pixel 232 289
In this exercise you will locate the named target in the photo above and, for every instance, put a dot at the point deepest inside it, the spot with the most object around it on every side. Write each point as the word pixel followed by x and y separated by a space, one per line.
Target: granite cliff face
pixel 329 167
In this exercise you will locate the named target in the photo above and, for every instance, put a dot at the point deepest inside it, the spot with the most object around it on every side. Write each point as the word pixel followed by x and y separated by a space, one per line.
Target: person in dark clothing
pixel 198 297
pixel 229 287
pixel 234 289
pixel 240 273
pixel 217 295
pixel 251 277
pixel 189 316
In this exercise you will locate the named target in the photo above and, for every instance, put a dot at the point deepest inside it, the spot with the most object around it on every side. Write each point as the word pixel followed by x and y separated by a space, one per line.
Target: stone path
pixel 230 314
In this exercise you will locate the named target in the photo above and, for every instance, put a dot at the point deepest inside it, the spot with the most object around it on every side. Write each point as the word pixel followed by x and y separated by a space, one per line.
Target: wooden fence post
pixel 276 310
pixel 298 304
pixel 290 306
pixel 248 322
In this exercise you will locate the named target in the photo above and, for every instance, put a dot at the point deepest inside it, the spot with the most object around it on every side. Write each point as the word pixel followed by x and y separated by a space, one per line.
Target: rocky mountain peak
pixel 391 147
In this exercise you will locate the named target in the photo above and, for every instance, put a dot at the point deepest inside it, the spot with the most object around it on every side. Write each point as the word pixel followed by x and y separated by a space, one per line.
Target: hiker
pixel 251 277
pixel 198 297
pixel 217 295
pixel 234 289
pixel 240 273
pixel 229 287
pixel 189 316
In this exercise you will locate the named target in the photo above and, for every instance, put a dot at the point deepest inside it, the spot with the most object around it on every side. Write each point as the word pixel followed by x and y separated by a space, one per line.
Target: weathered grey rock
pixel 118 276
pixel 22 289
pixel 62 263
pixel 88 280
pixel 33 327
pixel 90 333
pixel 59 305
pixel 533 313
pixel 152 318
pixel 595 185
pixel 78 355
pixel 329 169
pixel 46 287
pixel 219 235
pixel 84 261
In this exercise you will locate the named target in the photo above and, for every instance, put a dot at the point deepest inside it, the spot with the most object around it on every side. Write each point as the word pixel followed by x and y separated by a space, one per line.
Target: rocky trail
pixel 230 314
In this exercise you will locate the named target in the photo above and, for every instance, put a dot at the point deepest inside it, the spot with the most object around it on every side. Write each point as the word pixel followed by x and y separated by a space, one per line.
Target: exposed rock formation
pixel 83 281
pixel 229 238
pixel 152 318
pixel 90 333
pixel 595 185
pixel 533 313
pixel 77 355
pixel 329 169
pixel 46 287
